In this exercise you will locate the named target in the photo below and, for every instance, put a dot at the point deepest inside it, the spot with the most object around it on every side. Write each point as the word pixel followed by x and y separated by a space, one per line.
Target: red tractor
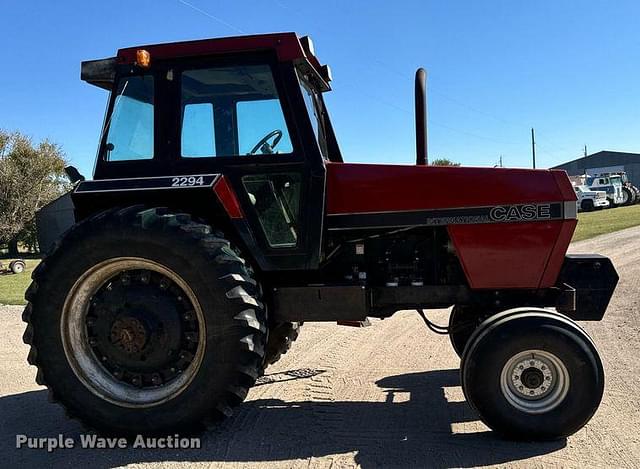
pixel 221 216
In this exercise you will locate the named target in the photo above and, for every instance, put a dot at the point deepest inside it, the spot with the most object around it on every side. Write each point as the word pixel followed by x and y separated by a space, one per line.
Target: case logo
pixel 520 212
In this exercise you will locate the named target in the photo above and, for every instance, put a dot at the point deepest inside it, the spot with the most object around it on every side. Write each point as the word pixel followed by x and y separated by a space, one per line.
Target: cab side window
pixel 198 132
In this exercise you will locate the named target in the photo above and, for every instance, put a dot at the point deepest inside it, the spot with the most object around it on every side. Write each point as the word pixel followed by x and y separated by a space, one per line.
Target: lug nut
pixel 155 379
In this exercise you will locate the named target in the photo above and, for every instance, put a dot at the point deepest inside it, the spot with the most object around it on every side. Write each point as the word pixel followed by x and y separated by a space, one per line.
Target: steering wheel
pixel 264 145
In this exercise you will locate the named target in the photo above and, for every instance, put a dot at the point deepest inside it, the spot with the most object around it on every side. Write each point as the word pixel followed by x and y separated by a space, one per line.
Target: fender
pixel 208 196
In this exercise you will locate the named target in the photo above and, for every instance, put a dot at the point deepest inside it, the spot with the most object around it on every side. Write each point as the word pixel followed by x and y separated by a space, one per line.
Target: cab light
pixel 307 45
pixel 143 58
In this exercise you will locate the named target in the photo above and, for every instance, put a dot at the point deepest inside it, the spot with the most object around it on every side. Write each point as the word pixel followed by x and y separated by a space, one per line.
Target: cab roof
pixel 287 46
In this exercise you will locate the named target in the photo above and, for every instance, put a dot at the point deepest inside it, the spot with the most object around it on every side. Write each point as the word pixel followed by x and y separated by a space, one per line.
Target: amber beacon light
pixel 143 58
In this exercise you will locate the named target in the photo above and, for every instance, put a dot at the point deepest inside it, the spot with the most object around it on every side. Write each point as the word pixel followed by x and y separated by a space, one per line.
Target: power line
pixel 431 121
pixel 209 15
pixel 388 68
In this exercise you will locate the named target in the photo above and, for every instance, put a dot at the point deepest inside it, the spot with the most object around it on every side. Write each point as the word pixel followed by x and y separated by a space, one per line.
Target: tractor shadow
pixel 413 428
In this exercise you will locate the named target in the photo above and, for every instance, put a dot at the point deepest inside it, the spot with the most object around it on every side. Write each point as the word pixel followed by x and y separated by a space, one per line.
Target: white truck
pixel 589 199
pixel 611 184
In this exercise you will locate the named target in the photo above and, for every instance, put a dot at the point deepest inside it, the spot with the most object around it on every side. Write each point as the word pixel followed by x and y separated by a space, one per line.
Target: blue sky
pixel 496 69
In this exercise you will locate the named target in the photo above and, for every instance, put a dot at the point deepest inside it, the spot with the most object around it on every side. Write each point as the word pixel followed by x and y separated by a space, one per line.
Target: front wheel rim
pixel 110 382
pixel 534 381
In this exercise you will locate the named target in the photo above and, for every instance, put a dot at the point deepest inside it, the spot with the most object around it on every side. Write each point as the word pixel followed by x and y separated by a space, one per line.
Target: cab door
pixel 246 119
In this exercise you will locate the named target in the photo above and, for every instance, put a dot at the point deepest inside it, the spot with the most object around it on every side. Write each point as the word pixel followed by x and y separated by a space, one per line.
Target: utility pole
pixel 585 150
pixel 501 161
pixel 533 147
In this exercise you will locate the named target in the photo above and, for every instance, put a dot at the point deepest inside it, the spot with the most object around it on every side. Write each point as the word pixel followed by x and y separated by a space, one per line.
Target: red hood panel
pixel 493 256
pixel 357 188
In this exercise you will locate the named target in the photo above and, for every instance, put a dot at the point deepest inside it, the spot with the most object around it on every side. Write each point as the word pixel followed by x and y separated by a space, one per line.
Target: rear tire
pixel 627 196
pixel 532 374
pixel 281 338
pixel 170 286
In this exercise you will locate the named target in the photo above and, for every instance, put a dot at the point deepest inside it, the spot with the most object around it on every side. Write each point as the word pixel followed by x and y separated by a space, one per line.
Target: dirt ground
pixel 382 396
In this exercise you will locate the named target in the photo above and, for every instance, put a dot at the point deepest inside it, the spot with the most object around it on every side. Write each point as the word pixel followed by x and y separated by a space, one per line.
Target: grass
pixel 592 224
pixel 13 286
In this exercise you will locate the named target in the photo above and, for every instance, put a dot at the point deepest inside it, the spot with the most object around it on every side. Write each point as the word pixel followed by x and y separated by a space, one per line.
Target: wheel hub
pixel 133 332
pixel 141 328
pixel 534 381
pixel 532 378
pixel 129 335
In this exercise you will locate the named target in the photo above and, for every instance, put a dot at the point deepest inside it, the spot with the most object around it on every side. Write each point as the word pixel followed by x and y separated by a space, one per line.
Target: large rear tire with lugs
pixel 628 196
pixel 145 321
pixel 281 338
pixel 532 374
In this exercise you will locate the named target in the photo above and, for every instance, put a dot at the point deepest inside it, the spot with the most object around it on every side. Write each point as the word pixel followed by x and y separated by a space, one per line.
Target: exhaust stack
pixel 421 117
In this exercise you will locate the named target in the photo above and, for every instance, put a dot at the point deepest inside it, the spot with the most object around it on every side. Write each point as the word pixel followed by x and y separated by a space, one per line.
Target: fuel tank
pixel 510 227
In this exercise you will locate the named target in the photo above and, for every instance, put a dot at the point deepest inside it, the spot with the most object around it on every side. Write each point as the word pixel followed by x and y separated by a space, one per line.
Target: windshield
pixel 130 127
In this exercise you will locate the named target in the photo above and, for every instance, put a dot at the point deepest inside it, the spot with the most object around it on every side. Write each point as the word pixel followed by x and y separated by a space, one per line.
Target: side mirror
pixel 73 174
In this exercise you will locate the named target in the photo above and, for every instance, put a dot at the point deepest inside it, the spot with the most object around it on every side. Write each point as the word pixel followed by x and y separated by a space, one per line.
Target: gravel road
pixel 382 396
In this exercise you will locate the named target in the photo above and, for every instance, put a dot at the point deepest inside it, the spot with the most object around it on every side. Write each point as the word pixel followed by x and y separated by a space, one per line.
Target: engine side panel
pixel 510 255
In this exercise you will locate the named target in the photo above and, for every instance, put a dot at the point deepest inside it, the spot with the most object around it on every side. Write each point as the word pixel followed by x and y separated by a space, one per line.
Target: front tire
pixel 587 205
pixel 532 374
pixel 463 321
pixel 281 337
pixel 144 321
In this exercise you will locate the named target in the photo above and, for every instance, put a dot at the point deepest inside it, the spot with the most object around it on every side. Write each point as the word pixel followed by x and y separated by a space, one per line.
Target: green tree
pixel 30 177
pixel 443 162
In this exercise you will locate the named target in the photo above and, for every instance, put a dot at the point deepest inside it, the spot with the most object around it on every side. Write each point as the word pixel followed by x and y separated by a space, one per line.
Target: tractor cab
pixel 248 109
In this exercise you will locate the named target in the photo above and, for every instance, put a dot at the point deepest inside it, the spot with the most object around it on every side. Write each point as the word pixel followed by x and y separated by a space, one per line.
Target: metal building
pixel 605 161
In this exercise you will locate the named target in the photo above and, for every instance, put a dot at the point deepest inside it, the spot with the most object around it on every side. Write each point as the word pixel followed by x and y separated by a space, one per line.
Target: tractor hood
pixel 369 188
pixel 496 216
